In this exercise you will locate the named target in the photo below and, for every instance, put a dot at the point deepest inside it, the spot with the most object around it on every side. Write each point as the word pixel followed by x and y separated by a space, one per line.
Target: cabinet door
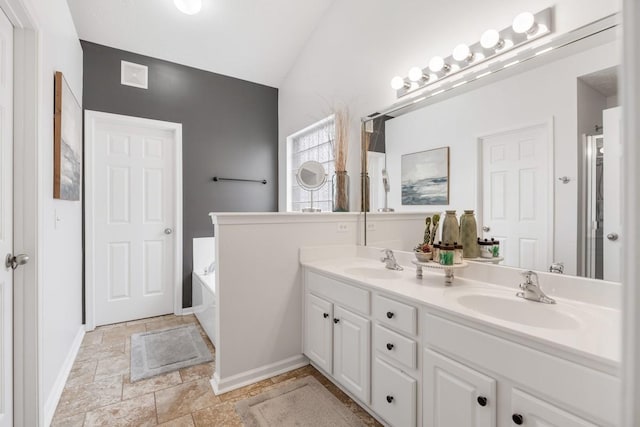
pixel 318 338
pixel 394 395
pixel 529 411
pixel 455 395
pixel 352 352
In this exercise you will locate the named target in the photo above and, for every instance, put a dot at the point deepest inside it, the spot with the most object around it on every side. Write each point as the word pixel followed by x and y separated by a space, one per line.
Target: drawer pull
pixel 389 346
pixel 517 419
pixel 389 399
pixel 390 315
pixel 336 321
pixel 482 401
pixel 325 315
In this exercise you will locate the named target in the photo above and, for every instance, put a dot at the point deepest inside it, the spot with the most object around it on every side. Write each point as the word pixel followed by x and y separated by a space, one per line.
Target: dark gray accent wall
pixel 229 129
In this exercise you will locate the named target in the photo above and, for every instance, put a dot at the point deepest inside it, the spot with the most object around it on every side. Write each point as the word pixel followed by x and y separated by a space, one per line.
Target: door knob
pixel 612 236
pixel 14 262
pixel 168 230
pixel 486 229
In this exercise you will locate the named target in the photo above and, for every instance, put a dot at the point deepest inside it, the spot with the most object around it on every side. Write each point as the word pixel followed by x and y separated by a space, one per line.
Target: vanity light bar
pixel 493 44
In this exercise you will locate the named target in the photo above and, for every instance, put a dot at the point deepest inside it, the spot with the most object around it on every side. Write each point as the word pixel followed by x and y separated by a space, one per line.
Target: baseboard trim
pixel 187 311
pixel 56 392
pixel 258 374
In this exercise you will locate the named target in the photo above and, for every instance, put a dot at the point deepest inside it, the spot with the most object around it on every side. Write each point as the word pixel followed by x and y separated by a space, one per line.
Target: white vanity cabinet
pixel 456 395
pixel 338 339
pixel 477 364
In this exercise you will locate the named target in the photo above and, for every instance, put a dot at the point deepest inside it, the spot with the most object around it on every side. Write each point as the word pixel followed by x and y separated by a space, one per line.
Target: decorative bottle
pixel 450 228
pixel 469 235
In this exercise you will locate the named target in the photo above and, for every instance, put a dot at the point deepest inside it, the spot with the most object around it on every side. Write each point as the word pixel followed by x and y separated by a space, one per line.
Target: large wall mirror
pixel 534 150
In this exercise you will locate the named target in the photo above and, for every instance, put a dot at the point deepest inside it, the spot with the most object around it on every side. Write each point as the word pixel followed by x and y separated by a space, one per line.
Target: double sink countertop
pixel 578 326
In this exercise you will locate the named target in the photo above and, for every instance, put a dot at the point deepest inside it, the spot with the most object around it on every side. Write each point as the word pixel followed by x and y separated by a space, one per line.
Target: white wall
pixel 60 248
pixel 549 92
pixel 359 45
pixel 259 289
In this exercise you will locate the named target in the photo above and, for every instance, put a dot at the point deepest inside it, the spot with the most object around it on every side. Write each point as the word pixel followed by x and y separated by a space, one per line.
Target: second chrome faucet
pixel 390 260
pixel 531 289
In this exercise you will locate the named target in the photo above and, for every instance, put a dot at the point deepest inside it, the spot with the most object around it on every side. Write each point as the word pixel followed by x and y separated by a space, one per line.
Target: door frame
pixel 551 216
pixel 28 400
pixel 90 120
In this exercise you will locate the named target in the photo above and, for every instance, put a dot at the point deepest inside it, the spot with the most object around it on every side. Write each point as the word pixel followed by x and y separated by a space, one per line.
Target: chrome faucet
pixel 557 267
pixel 390 260
pixel 531 289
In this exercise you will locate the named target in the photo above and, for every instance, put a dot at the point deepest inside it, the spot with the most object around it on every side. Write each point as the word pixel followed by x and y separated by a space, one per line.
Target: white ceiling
pixel 255 40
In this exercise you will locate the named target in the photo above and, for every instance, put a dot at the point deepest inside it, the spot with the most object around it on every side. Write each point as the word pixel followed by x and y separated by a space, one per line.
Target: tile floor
pixel 99 393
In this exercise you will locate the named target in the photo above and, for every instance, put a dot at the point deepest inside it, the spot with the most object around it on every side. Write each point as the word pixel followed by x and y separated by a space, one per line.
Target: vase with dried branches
pixel 340 182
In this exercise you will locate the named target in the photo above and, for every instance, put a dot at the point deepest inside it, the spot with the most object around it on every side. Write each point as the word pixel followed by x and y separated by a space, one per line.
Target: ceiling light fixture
pixel 188 7
pixel 437 64
pixel 491 40
pixel 398 83
pixel 525 23
pixel 470 61
pixel 416 74
pixel 462 53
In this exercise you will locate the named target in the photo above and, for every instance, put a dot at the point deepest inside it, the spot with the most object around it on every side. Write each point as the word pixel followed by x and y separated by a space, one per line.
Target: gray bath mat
pixel 157 352
pixel 303 402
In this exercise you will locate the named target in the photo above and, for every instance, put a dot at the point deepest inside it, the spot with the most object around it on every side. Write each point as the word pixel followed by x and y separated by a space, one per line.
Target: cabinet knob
pixel 325 315
pixel 336 321
pixel 389 399
pixel 517 419
pixel 389 314
pixel 482 401
pixel 389 346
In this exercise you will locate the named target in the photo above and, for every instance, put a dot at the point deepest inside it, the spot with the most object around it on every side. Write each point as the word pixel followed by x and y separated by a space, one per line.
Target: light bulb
pixel 490 39
pixel 415 74
pixel 397 83
pixel 462 53
pixel 436 64
pixel 524 23
pixel 189 7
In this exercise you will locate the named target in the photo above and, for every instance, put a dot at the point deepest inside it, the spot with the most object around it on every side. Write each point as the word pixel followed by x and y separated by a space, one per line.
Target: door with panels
pixel 456 395
pixel 6 222
pixel 516 208
pixel 319 332
pixel 352 352
pixel 134 182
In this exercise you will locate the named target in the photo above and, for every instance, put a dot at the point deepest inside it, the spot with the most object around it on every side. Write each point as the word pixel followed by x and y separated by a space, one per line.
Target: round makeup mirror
pixel 311 176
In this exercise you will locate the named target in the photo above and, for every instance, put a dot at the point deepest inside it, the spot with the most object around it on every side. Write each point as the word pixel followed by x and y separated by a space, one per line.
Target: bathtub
pixel 203 281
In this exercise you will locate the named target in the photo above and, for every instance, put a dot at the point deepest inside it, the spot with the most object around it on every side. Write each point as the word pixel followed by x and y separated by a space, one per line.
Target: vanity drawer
pixel 396 346
pixel 394 395
pixel 347 295
pixel 396 314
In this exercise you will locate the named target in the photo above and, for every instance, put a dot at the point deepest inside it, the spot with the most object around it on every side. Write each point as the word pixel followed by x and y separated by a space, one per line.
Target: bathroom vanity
pixel 416 353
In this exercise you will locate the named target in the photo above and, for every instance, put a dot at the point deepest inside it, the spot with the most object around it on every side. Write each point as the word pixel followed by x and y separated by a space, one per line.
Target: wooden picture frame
pixel 425 177
pixel 67 142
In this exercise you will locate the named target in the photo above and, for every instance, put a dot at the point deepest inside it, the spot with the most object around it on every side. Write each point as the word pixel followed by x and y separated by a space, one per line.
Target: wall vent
pixel 135 75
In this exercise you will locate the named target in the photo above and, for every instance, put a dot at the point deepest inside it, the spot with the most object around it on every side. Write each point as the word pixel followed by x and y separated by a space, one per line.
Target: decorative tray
pixel 493 260
pixel 448 269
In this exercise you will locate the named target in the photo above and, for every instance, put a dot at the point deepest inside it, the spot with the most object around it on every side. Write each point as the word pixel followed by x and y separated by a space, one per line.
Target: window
pixel 311 143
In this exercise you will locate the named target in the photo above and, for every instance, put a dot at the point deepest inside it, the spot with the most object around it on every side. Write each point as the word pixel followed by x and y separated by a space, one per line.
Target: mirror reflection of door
pixel 612 180
pixel 516 207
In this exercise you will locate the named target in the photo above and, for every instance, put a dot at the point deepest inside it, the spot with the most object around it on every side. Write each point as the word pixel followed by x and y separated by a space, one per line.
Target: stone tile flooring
pixel 98 391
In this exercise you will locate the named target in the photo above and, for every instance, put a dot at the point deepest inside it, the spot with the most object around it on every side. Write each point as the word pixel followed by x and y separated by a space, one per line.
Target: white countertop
pixel 584 330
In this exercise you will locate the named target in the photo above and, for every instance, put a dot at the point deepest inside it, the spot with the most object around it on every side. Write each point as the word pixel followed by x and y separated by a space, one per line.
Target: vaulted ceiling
pixel 255 40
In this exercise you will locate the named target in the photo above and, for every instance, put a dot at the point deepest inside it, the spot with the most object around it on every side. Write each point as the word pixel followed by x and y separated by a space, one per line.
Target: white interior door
pixel 6 221
pixel 516 209
pixel 136 206
pixel 612 181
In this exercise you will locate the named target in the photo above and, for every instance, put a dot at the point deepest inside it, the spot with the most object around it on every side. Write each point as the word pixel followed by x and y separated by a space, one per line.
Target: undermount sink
pixel 517 310
pixel 373 273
